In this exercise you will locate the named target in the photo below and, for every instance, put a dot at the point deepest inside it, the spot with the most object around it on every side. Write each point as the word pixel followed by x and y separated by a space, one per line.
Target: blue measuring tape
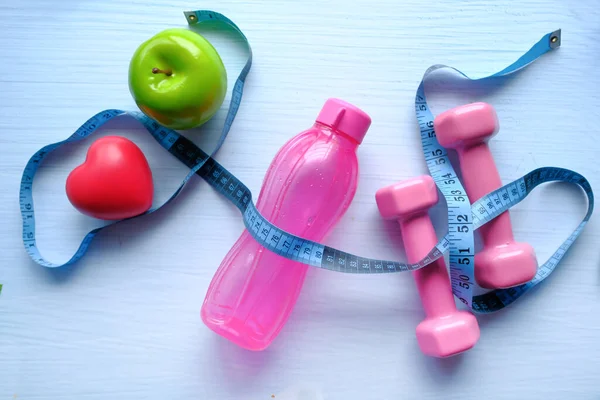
pixel 460 219
pixel 285 243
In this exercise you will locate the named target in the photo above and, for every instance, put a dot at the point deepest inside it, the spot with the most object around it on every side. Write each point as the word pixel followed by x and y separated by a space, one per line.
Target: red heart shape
pixel 114 182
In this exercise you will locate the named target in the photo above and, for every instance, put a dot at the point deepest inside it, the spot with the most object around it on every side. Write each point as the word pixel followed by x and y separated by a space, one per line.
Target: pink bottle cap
pixel 346 118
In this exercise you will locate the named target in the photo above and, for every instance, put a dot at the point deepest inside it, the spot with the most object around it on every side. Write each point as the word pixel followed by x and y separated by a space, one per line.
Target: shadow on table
pixel 442 370
pixel 237 370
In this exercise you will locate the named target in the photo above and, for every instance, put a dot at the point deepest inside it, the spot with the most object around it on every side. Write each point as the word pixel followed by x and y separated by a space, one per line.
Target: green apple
pixel 178 79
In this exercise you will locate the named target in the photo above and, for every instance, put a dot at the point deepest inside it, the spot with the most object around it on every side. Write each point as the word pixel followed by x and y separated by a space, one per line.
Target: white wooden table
pixel 123 323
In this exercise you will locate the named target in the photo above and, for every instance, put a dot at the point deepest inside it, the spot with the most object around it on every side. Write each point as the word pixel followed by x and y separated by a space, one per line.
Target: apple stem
pixel 160 71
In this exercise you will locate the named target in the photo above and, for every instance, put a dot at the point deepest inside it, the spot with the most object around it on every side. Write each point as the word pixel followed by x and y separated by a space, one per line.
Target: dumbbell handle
pixel 432 281
pixel 480 177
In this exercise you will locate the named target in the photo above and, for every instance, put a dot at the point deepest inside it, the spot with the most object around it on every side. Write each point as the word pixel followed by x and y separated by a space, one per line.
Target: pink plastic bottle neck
pixel 347 140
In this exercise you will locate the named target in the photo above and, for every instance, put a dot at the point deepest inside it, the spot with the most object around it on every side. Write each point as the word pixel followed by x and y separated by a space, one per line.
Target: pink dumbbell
pixel 503 262
pixel 446 331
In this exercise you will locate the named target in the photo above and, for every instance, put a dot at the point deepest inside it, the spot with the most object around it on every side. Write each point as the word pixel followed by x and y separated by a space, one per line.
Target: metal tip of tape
pixel 555 39
pixel 191 17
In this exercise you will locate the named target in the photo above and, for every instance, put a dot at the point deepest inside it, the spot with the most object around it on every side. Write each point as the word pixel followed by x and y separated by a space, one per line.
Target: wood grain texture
pixel 124 323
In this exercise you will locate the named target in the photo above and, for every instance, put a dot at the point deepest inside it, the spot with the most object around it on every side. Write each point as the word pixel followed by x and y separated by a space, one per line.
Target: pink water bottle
pixel 307 189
